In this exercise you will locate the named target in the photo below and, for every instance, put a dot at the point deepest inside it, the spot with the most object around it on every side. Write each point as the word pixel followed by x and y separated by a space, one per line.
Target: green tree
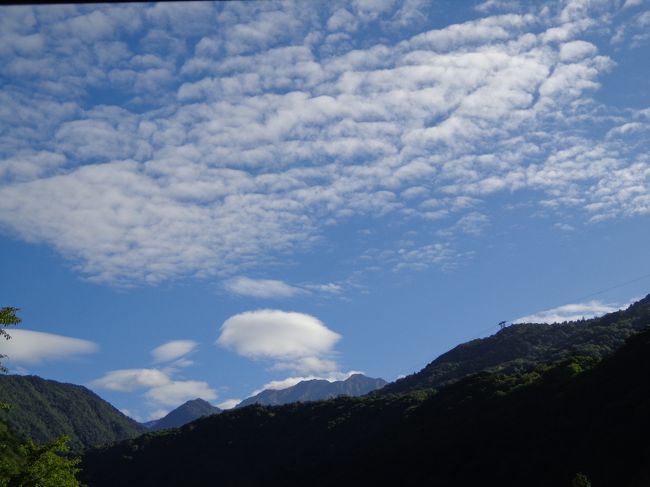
pixel 580 480
pixel 45 466
pixel 7 318
pixel 32 465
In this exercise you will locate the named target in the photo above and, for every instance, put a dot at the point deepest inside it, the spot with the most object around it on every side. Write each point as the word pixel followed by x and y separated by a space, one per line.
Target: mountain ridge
pixel 183 414
pixel 547 426
pixel 44 409
pixel 520 346
pixel 316 390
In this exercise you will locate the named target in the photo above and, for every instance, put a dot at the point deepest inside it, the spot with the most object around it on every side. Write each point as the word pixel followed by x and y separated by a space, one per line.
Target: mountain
pixel 522 346
pixel 43 410
pixel 564 424
pixel 183 414
pixel 315 390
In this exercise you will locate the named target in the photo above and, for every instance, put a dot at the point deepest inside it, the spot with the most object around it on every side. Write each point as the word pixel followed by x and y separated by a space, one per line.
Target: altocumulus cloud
pixel 35 347
pixel 259 123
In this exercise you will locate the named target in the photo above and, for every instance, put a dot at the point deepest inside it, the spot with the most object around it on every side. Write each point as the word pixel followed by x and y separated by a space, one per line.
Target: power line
pixel 578 299
pixel 502 324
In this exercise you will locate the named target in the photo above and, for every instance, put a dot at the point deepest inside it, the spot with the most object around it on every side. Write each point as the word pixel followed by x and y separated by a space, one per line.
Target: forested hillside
pixel 44 410
pixel 560 423
pixel 522 346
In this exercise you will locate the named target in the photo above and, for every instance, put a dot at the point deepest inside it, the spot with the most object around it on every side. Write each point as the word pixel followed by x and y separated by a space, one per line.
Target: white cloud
pixel 329 288
pixel 412 257
pixel 628 128
pixel 228 403
pixel 173 350
pixel 307 365
pixel 632 3
pixel 278 385
pixel 576 50
pixel 342 19
pixel 276 334
pixel 161 388
pixel 177 392
pixel 570 312
pixel 181 362
pixel 254 133
pixel 131 379
pixel 261 288
pixel 157 414
pixel 35 347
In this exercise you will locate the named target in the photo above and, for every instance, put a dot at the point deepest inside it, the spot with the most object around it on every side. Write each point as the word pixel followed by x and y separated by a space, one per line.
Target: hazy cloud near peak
pixel 175 393
pixel 228 403
pixel 570 312
pixel 292 381
pixel 160 385
pixel 161 389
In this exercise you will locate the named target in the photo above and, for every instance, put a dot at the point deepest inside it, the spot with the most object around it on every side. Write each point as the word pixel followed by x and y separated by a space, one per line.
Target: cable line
pixel 504 323
pixel 572 301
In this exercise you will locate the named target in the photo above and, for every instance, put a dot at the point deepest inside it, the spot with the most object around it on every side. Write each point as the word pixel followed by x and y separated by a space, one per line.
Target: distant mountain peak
pixel 196 402
pixel 316 390
pixel 183 414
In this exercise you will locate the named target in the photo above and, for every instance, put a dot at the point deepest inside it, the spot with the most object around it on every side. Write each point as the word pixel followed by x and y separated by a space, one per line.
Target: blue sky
pixel 208 199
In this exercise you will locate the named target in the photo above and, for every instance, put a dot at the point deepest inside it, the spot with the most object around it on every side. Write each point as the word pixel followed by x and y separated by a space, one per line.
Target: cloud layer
pixel 29 347
pixel 151 142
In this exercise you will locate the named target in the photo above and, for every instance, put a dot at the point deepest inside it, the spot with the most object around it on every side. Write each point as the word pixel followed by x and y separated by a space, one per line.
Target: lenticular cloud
pixel 277 334
pixel 35 347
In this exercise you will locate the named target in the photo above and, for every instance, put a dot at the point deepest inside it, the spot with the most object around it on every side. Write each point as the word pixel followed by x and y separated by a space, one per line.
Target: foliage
pixel 41 466
pixel 580 480
pixel 44 410
pixel 29 464
pixel 7 318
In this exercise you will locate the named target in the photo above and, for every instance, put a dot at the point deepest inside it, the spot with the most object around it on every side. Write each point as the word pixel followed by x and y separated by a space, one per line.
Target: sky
pixel 206 200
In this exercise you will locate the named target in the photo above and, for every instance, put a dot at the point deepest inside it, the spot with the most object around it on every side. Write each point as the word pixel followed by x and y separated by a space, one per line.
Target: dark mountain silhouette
pixel 561 423
pixel 315 390
pixel 43 410
pixel 183 414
